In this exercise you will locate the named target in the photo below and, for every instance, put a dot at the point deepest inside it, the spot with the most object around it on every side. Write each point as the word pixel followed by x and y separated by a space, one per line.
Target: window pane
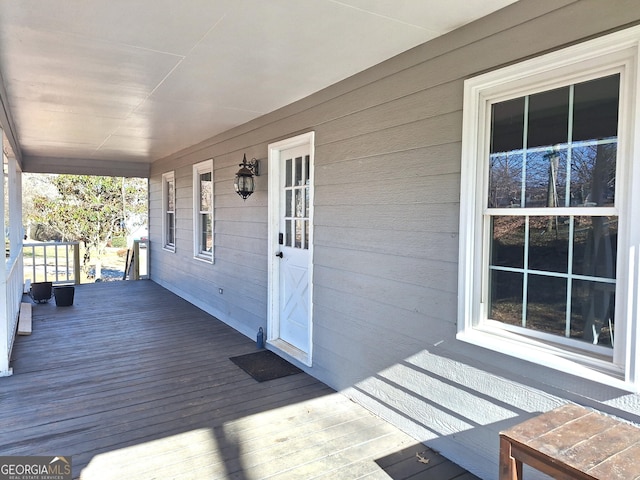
pixel 506 297
pixel 596 109
pixel 206 189
pixel 170 229
pixel 549 243
pixel 558 171
pixel 548 118
pixel 592 312
pixel 595 246
pixel 507 125
pixel 170 196
pixel 505 179
pixel 206 241
pixel 546 178
pixel 307 172
pixel 547 304
pixel 507 249
pixel 593 175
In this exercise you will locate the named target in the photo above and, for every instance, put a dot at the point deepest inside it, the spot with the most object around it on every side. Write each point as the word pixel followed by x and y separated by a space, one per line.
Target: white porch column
pixel 16 230
pixel 11 270
pixel 5 336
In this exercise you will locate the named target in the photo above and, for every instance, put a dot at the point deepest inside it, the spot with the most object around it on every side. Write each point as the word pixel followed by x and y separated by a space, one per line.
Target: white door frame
pixel 273 324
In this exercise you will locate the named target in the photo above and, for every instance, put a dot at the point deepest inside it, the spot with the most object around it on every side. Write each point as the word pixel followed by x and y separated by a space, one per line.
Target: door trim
pixel 273 326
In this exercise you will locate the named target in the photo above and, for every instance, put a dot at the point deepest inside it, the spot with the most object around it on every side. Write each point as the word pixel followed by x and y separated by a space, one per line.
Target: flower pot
pixel 64 296
pixel 41 291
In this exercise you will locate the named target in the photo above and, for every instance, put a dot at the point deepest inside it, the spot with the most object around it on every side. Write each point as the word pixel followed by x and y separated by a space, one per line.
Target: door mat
pixel 265 365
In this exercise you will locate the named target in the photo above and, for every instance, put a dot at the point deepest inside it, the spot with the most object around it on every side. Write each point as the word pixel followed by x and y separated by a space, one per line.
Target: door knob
pixel 279 254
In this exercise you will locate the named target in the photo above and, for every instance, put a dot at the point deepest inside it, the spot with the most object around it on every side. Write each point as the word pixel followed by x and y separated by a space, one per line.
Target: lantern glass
pixel 244 184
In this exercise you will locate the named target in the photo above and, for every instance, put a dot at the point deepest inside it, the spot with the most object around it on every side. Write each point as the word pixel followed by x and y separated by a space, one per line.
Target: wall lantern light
pixel 244 182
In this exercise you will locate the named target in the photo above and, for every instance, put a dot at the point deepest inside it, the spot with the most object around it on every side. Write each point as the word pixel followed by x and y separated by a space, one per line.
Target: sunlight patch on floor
pixel 168 457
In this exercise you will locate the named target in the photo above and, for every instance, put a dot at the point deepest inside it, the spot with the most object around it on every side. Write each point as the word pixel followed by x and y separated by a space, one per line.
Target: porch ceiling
pixel 108 86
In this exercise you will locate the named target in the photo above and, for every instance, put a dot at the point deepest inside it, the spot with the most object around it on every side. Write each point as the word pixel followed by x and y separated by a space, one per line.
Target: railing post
pixel 76 263
pixel 46 263
pixel 33 263
pixel 136 260
pixel 57 266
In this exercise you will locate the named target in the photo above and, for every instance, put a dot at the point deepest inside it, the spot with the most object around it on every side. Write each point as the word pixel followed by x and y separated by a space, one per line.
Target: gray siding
pixel 387 192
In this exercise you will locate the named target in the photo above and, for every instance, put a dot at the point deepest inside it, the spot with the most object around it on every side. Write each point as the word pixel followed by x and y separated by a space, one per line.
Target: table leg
pixel 510 468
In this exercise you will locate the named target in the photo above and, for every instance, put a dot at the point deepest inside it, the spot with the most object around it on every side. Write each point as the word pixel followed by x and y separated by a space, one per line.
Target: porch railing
pixel 12 292
pixel 138 269
pixel 59 262
pixel 56 262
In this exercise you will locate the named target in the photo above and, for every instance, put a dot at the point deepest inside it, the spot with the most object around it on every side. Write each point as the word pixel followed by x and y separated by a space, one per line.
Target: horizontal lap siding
pixel 387 188
pixel 239 266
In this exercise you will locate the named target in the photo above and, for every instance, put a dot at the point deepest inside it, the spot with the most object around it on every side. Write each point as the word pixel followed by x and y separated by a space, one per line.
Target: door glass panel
pixel 288 235
pixel 287 174
pixel 298 237
pixel 299 203
pixel 298 172
pixel 287 201
pixel 296 207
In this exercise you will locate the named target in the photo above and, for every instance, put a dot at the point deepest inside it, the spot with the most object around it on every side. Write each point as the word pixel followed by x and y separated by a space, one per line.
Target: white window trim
pixel 616 52
pixel 198 169
pixel 166 178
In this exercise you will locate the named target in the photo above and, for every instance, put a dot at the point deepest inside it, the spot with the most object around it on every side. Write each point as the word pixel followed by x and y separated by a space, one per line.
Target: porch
pixel 135 382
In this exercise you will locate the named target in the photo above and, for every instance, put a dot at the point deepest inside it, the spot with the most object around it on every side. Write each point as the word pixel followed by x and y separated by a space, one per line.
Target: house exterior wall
pixel 387 188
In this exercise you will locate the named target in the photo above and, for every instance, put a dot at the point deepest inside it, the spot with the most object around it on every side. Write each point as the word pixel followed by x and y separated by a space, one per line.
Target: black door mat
pixel 265 365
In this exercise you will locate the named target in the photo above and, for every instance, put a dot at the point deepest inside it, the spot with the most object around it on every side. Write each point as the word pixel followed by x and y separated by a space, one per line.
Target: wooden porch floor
pixel 133 382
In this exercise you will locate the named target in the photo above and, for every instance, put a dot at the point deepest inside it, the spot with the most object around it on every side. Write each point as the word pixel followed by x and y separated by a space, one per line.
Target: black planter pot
pixel 41 291
pixel 64 296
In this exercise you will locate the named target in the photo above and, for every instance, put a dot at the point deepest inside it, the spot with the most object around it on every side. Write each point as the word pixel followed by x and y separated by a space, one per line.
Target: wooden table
pixel 572 442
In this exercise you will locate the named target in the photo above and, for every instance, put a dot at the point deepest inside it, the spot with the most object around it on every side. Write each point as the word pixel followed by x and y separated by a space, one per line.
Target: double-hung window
pixel 549 193
pixel 203 210
pixel 169 211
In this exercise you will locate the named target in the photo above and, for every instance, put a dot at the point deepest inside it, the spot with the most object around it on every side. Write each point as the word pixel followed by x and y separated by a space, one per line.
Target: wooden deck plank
pixel 134 382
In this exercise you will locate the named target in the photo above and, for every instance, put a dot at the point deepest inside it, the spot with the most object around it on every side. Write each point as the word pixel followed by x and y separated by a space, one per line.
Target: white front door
pixel 291 193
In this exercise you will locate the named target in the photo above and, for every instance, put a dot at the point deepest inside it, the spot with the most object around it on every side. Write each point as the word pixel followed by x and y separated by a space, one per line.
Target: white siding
pixel 386 236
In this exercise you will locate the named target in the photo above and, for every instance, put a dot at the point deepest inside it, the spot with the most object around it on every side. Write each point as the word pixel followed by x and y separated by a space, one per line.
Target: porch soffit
pixel 113 85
